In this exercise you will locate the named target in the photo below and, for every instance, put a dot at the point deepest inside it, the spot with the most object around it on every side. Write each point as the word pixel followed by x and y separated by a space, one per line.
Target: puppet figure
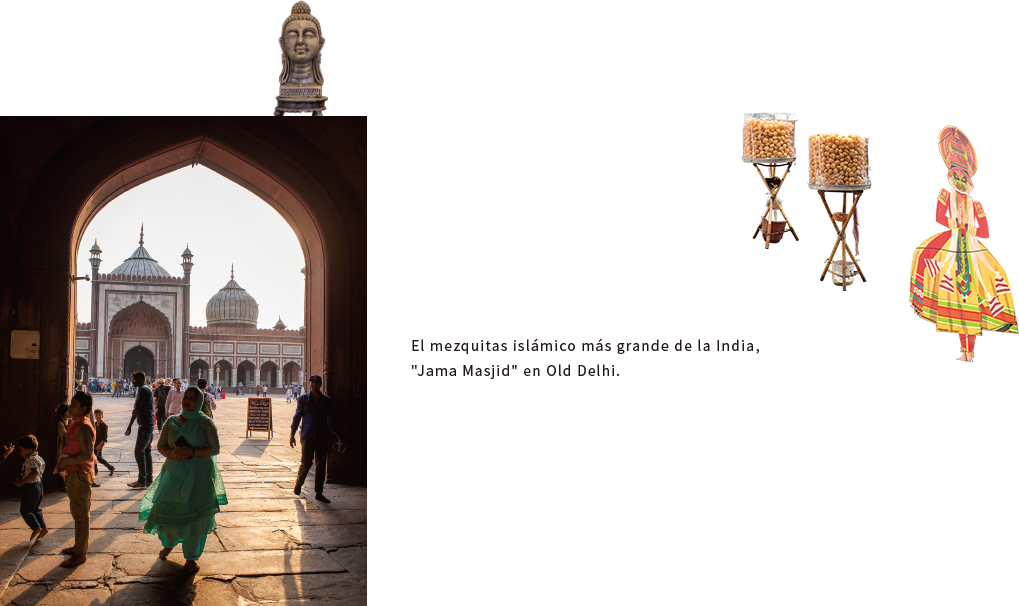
pixel 956 283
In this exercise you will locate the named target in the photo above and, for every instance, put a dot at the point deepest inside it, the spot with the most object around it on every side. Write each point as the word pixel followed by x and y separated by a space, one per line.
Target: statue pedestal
pixel 301 98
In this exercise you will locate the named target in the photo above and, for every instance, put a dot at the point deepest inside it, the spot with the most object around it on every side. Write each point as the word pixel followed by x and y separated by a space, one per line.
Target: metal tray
pixel 839 188
pixel 769 161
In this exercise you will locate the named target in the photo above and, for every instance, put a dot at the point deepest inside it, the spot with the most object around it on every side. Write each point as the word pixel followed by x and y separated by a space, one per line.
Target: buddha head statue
pixel 301 42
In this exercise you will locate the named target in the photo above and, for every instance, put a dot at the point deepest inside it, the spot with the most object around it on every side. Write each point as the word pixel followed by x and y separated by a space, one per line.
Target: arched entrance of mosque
pixel 139 358
pixel 223 377
pixel 291 372
pixel 315 178
pixel 267 374
pixel 139 325
pixel 246 373
pixel 199 370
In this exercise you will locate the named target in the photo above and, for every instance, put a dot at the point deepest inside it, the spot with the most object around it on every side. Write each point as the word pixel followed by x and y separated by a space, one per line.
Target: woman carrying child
pixel 181 504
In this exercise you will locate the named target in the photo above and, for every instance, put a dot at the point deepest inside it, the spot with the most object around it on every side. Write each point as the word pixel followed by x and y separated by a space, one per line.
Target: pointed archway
pixel 139 358
pixel 314 175
pixel 140 325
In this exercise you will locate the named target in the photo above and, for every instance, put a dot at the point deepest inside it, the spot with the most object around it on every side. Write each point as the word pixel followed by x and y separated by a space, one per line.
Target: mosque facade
pixel 141 320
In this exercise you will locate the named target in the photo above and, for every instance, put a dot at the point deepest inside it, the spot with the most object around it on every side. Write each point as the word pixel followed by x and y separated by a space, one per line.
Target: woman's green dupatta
pixel 175 485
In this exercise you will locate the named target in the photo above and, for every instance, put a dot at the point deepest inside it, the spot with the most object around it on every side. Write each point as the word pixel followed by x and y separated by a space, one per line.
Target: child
pixel 102 433
pixel 31 484
pixel 61 411
pixel 79 465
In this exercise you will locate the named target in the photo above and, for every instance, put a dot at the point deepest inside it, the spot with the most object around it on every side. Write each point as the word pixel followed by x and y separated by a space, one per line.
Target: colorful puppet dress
pixel 956 283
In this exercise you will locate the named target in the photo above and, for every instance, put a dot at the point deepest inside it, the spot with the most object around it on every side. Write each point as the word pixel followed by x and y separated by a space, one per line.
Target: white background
pixel 571 171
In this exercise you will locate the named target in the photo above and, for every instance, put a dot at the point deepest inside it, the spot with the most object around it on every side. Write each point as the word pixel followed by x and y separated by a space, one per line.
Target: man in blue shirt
pixel 315 411
pixel 145 412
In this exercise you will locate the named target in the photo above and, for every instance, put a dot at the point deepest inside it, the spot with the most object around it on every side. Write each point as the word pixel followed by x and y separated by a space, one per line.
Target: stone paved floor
pixel 271 546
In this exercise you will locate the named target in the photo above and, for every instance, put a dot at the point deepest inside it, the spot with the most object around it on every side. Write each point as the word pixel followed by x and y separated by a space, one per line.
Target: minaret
pixel 93 348
pixel 95 260
pixel 187 264
pixel 186 346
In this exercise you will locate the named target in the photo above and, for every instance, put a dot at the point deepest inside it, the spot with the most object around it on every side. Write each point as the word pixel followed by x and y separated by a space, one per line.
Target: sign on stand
pixel 260 415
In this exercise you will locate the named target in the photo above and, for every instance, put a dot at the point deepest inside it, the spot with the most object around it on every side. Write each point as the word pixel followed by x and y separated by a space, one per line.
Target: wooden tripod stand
pixel 843 218
pixel 774 184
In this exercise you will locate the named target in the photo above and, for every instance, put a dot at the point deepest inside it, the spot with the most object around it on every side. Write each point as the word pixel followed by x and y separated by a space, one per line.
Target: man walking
pixel 145 412
pixel 315 411
pixel 175 398
pixel 162 389
pixel 209 400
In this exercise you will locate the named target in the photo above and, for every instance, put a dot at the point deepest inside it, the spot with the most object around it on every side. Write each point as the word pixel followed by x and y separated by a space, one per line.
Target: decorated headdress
pixel 301 10
pixel 956 150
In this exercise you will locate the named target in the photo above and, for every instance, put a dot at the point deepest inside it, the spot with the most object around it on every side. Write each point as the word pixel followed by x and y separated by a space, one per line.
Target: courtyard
pixel 270 546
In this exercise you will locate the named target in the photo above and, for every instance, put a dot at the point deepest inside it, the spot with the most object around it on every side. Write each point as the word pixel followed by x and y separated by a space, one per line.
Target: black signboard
pixel 260 415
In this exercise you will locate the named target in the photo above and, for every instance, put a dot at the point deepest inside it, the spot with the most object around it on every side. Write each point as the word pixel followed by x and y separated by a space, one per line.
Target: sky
pixel 222 223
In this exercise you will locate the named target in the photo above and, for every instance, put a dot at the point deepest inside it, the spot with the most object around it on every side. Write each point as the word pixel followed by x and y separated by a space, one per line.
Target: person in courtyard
pixel 145 412
pixel 315 410
pixel 62 416
pixel 162 389
pixel 78 465
pixel 102 434
pixel 181 505
pixel 209 401
pixel 174 397
pixel 290 394
pixel 30 483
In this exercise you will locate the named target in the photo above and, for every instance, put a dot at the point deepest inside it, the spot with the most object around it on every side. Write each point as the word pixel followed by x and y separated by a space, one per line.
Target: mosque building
pixel 141 320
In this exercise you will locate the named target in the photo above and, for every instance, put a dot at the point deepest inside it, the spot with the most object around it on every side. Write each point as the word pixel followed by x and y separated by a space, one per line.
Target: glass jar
pixel 839 160
pixel 769 136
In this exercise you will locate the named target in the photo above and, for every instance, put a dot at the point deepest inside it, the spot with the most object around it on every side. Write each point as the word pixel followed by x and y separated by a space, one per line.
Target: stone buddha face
pixel 301 41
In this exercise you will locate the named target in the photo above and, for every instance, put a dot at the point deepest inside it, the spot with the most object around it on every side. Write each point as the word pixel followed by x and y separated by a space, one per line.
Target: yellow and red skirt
pixel 959 286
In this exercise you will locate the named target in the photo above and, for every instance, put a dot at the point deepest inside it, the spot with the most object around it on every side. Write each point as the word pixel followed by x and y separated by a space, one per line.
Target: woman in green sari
pixel 181 504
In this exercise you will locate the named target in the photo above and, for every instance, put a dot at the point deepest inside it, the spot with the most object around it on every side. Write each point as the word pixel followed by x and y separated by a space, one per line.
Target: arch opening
pixel 291 373
pixel 139 358
pixel 199 370
pixel 80 369
pixel 223 374
pixel 317 190
pixel 246 374
pixel 269 374
pixel 136 327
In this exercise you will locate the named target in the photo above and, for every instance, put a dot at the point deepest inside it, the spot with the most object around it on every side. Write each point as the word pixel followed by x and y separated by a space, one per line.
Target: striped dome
pixel 232 305
pixel 140 263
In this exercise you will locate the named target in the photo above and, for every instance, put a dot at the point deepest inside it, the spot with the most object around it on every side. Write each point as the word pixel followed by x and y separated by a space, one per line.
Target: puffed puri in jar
pixel 769 139
pixel 838 159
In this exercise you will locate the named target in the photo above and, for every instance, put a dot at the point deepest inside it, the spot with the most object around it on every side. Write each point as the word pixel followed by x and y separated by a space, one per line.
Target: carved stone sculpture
pixel 301 79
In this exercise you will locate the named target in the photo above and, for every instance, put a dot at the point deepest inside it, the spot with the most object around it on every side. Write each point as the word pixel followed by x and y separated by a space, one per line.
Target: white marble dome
pixel 232 305
pixel 140 263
